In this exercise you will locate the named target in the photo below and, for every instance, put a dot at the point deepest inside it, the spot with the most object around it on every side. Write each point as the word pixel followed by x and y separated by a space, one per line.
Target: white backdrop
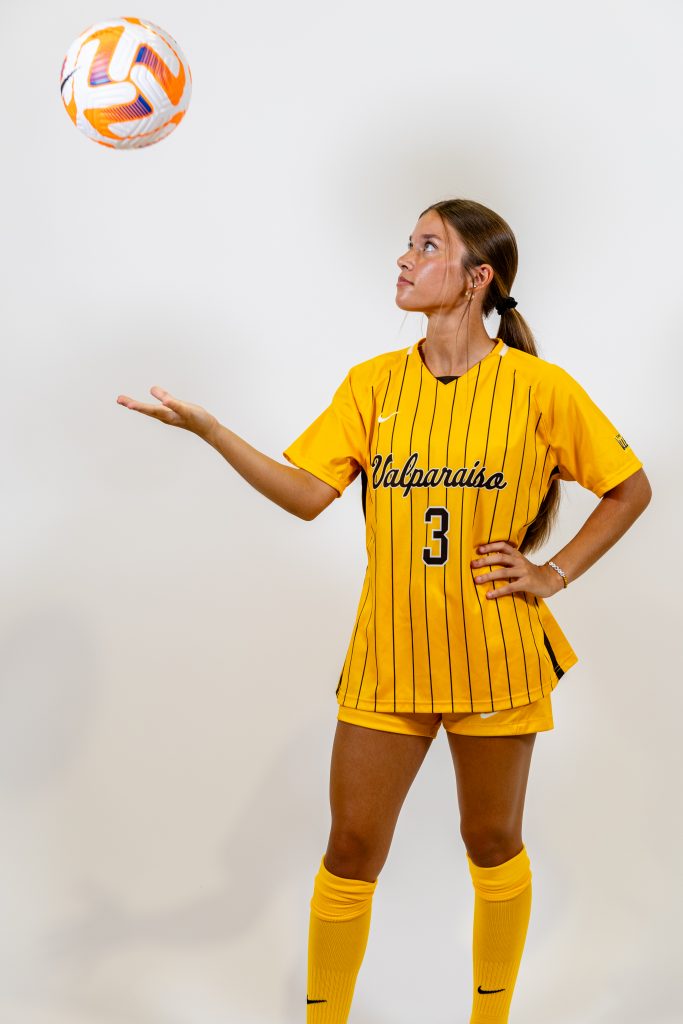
pixel 171 641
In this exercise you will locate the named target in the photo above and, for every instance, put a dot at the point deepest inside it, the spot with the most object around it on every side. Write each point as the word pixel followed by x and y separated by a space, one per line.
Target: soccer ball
pixel 125 83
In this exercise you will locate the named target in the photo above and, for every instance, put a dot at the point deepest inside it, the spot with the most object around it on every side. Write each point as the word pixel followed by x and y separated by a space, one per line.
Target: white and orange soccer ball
pixel 125 83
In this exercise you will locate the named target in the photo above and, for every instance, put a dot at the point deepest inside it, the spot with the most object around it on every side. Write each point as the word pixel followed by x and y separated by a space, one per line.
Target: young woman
pixel 460 442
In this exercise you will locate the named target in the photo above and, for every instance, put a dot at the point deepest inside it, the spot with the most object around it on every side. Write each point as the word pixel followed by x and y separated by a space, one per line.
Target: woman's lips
pixel 402 280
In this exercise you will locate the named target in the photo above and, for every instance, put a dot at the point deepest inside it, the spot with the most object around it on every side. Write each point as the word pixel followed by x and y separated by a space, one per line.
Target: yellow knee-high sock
pixel 337 939
pixel 502 907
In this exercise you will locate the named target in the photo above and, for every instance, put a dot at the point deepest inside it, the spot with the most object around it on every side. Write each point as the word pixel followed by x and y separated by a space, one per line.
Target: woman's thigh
pixel 491 779
pixel 371 773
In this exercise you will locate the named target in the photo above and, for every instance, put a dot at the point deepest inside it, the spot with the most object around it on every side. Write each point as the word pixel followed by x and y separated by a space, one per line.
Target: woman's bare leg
pixel 370 775
pixel 491 775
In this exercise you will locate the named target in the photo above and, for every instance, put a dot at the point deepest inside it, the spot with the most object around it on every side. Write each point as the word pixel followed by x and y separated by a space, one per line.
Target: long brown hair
pixel 487 238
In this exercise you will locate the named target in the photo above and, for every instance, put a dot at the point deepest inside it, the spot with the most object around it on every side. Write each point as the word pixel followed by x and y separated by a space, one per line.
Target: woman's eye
pixel 410 245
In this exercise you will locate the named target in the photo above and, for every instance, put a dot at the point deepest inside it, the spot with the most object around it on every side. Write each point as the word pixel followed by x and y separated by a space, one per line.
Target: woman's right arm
pixel 293 489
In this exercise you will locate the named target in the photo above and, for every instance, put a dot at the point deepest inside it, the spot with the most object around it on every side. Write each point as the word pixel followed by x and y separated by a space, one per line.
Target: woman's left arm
pixel 616 512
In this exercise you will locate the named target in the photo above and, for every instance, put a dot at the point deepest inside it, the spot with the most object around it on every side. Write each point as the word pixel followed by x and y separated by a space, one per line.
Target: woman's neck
pixel 442 359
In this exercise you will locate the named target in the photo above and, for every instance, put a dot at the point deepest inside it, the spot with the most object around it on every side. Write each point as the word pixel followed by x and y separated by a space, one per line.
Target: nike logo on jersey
pixel 383 419
pixel 489 991
pixel 315 1000
pixel 487 714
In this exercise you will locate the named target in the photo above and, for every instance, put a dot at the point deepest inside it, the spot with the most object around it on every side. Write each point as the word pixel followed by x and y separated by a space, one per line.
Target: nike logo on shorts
pixel 488 714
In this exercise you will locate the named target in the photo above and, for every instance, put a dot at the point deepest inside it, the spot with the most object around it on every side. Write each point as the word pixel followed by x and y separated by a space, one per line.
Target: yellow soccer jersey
pixel 447 467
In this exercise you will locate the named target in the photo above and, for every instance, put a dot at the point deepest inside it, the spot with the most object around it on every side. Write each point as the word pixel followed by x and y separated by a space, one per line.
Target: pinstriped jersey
pixel 446 467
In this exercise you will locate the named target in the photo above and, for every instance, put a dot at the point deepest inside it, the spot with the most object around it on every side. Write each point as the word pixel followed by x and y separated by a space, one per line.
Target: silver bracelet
pixel 561 572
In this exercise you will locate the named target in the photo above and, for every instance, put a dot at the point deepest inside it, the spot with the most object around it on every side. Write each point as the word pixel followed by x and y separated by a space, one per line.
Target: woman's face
pixel 437 281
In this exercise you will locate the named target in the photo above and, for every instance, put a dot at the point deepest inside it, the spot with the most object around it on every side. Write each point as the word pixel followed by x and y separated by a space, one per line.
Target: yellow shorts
pixel 534 717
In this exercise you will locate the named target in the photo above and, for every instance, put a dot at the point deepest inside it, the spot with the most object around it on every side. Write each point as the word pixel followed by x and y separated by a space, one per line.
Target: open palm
pixel 173 411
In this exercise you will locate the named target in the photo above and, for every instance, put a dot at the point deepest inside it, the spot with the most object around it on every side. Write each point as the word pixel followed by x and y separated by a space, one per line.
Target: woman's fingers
pixel 163 396
pixel 140 407
pixel 161 412
pixel 497 574
pixel 173 411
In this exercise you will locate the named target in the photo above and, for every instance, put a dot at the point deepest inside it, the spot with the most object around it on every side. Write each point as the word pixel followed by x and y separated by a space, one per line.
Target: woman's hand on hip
pixel 519 572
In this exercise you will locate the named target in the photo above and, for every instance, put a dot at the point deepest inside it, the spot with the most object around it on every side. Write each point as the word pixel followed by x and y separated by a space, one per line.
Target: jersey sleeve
pixel 586 444
pixel 333 446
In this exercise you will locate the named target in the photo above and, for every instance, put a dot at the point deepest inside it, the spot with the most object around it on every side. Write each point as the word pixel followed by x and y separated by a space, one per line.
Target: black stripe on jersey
pixel 528 494
pixel 445 602
pixel 556 667
pixel 462 507
pixel 559 672
pixel 374 609
pixel 363 474
pixel 369 494
pixel 477 590
pixel 538 501
pixel 362 602
pixel 351 651
pixel 521 468
pixel 410 563
pixel 424 573
pixel 538 653
pixel 517 595
pixel 391 541
pixel 545 461
pixel 491 533
pixel 376 498
pixel 367 650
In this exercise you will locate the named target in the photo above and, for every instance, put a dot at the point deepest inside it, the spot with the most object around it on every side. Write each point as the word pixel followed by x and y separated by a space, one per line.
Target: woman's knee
pixel 490 844
pixel 353 854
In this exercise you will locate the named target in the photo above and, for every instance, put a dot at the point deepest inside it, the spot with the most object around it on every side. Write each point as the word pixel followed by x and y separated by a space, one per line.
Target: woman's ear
pixel 485 274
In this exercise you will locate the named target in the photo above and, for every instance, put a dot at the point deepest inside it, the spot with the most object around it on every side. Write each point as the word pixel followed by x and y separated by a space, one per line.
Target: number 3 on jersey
pixel 439 534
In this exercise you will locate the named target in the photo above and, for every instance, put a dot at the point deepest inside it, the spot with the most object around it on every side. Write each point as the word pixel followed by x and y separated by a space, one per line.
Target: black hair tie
pixel 507 303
